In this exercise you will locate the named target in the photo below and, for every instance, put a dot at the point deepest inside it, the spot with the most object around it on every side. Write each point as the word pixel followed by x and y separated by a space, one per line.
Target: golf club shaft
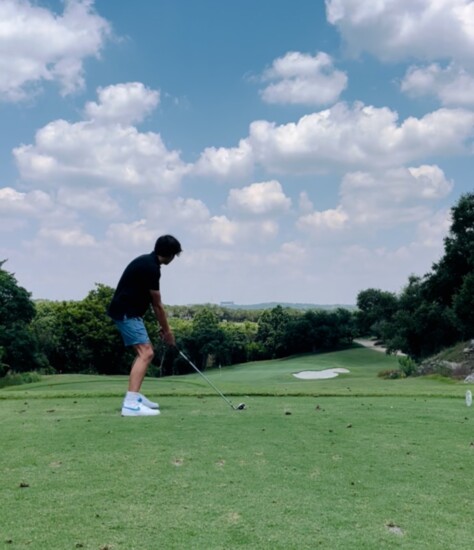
pixel 206 379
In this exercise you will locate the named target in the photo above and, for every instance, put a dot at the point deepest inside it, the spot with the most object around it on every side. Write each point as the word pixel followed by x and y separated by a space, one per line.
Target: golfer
pixel 138 288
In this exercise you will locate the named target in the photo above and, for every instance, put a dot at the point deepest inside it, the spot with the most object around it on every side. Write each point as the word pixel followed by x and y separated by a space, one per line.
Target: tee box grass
pixel 310 464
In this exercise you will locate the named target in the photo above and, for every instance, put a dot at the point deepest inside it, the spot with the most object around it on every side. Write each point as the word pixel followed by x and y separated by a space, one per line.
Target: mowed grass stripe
pixel 288 473
pixel 259 378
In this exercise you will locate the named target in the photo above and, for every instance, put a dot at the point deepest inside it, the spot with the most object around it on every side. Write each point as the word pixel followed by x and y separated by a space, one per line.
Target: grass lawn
pixel 351 462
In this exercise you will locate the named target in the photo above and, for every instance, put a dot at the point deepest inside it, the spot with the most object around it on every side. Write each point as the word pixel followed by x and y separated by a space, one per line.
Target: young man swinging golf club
pixel 137 289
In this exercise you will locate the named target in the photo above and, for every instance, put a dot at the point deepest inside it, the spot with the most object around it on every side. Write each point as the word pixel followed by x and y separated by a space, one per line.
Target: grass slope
pixel 310 464
pixel 265 378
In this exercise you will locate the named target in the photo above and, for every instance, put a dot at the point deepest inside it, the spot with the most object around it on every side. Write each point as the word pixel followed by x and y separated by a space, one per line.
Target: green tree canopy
pixel 20 348
pixel 376 307
pixel 447 276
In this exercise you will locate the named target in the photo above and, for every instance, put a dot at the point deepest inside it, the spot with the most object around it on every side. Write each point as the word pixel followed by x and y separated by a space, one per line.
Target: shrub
pixel 19 378
pixel 407 366
pixel 391 374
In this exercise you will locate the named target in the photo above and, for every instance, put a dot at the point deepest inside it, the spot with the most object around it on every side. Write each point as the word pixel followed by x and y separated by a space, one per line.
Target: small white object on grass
pixel 468 398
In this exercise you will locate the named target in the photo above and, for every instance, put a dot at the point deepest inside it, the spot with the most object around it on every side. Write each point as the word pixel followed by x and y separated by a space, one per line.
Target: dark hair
pixel 166 246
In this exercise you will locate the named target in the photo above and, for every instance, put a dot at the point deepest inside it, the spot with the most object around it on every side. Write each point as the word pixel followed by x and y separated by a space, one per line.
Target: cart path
pixel 372 345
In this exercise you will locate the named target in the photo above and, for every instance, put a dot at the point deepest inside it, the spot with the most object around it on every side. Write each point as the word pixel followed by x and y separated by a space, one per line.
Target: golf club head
pixel 240 407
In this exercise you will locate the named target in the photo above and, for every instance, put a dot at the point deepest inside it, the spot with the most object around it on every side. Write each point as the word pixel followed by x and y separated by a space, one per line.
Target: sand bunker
pixel 319 374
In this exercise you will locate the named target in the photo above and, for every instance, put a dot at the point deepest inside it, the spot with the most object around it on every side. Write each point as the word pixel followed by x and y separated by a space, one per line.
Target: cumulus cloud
pixel 223 230
pixel 289 253
pixel 388 198
pixel 406 29
pixel 13 203
pixel 358 136
pixel 126 104
pixel 300 78
pixel 305 203
pixel 68 237
pixel 234 163
pixel 91 201
pixel 451 85
pixel 393 197
pixel 37 45
pixel 179 212
pixel 343 137
pixel 136 234
pixel 333 219
pixel 194 218
pixel 103 151
pixel 189 211
pixel 226 231
pixel 259 199
pixel 431 232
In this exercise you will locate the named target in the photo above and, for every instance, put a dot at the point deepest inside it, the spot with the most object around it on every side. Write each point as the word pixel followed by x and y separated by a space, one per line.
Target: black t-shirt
pixel 132 296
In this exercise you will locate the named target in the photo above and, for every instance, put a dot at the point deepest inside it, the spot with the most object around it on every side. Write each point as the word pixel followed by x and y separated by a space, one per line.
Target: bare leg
pixel 140 365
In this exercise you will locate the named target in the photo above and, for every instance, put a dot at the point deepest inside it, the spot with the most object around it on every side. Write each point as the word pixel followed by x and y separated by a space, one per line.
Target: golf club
pixel 240 406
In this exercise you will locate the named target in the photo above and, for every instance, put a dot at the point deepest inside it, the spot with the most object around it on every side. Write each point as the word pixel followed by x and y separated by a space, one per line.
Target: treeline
pixel 431 312
pixel 78 336
pixel 436 310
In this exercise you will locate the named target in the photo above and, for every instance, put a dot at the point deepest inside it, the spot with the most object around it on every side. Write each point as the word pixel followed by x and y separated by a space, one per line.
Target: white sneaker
pixel 135 408
pixel 147 402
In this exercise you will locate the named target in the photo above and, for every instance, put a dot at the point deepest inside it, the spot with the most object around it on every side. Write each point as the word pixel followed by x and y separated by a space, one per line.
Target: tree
pixel 346 324
pixel 78 336
pixel 3 366
pixel 16 305
pixel 272 326
pixel 420 327
pixel 448 274
pixel 20 348
pixel 207 336
pixel 463 304
pixel 237 340
pixel 376 307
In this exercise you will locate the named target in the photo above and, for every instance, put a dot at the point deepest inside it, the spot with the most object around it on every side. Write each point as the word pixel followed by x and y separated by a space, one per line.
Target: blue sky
pixel 301 151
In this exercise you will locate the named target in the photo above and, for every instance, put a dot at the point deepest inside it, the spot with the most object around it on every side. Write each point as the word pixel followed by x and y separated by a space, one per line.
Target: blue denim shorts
pixel 133 330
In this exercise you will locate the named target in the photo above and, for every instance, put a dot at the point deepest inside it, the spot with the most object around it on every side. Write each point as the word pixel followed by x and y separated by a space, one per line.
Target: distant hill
pixel 271 305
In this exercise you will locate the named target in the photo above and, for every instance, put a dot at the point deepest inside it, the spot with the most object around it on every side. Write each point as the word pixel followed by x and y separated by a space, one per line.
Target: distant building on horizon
pixel 227 304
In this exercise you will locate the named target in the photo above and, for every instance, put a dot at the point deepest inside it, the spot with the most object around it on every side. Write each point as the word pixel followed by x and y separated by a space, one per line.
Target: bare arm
pixel 161 317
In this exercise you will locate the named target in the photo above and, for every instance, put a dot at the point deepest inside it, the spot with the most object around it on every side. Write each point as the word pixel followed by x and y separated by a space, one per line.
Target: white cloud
pixel 406 29
pixel 180 216
pixel 103 153
pixel 303 79
pixel 225 163
pixel 125 104
pixel 360 136
pixel 95 201
pixel 432 231
pixel 289 253
pixel 33 203
pixel 259 199
pixel 136 234
pixel 37 45
pixel 393 197
pixel 370 201
pixel 452 85
pixel 317 222
pixel 193 219
pixel 429 183
pixel 73 237
pixel 189 211
pixel 223 230
pixel 305 204
pixel 381 267
pixel 232 233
